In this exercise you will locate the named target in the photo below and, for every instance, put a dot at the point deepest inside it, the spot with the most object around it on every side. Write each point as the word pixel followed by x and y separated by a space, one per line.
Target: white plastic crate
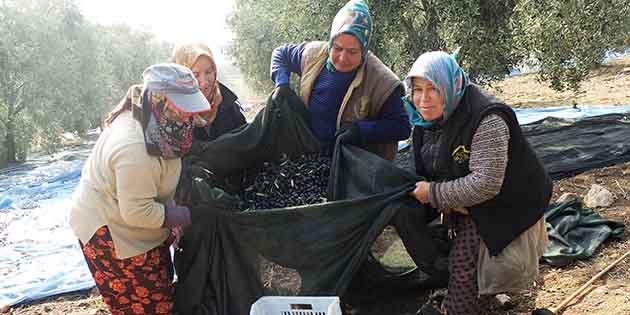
pixel 296 305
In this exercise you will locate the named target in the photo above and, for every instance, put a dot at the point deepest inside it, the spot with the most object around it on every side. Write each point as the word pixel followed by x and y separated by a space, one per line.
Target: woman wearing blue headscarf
pixel 483 176
pixel 348 90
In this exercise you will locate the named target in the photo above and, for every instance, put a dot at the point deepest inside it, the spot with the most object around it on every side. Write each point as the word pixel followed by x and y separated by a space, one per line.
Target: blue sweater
pixel 327 95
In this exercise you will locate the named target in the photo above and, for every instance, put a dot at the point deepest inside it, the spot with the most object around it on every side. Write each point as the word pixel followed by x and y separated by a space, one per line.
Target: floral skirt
pixel 142 284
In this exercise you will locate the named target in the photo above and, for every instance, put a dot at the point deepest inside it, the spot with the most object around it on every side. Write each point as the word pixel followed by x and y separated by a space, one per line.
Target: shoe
pixel 436 298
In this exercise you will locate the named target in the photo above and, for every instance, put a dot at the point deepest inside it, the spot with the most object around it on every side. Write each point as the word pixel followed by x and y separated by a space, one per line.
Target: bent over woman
pixel 122 212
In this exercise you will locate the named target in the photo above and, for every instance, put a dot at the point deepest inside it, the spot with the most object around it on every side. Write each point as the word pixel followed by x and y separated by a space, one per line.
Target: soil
pixel 607 85
pixel 608 296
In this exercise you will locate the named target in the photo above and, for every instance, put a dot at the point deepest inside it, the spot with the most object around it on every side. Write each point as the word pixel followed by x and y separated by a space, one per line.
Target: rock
pixel 504 301
pixel 5 308
pixel 567 196
pixel 598 196
pixel 626 70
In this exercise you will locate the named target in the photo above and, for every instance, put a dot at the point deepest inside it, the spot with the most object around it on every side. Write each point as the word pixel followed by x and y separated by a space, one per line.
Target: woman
pixel 122 211
pixel 227 112
pixel 347 89
pixel 482 175
pixel 354 98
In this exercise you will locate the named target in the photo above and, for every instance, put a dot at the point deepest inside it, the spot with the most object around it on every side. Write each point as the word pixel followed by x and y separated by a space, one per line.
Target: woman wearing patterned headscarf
pixel 122 211
pixel 348 90
pixel 227 112
pixel 482 175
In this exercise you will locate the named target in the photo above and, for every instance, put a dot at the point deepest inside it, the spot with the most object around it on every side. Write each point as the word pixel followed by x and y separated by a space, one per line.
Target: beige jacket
pixel 516 267
pixel 368 92
pixel 124 188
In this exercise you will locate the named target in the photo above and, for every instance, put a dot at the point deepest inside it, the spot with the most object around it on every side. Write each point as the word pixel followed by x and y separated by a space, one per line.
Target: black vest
pixel 526 188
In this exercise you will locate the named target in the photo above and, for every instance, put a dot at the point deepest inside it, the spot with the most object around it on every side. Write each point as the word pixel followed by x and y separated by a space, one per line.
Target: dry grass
pixel 608 85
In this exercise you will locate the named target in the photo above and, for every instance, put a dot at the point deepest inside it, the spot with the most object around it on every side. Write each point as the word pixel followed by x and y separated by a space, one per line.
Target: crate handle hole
pixel 301 306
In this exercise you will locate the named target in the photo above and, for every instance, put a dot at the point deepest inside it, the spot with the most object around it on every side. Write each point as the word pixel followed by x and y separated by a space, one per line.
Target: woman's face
pixel 427 99
pixel 206 74
pixel 346 53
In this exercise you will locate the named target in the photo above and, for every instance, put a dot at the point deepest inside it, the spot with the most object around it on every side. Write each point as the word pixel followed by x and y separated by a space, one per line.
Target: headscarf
pixel 126 104
pixel 186 54
pixel 355 19
pixel 164 137
pixel 447 77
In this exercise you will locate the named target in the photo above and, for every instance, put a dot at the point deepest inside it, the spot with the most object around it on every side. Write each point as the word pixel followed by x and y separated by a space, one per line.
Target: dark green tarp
pixel 568 146
pixel 217 265
pixel 281 128
pixel 575 232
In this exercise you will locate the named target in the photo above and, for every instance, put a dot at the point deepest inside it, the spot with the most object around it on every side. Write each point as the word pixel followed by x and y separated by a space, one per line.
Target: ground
pixel 608 296
pixel 607 85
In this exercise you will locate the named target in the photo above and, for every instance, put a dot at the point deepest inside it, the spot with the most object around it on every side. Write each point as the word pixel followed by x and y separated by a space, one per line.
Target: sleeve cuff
pixel 282 78
pixel 433 187
pixel 364 128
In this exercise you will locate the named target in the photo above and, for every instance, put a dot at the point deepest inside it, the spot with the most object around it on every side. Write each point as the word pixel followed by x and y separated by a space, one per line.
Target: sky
pixel 172 21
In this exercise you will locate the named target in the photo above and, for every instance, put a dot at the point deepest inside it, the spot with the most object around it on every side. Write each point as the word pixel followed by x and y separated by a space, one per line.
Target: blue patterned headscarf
pixel 354 18
pixel 446 76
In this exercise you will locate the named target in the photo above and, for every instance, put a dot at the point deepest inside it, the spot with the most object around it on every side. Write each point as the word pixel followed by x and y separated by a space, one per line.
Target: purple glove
pixel 176 216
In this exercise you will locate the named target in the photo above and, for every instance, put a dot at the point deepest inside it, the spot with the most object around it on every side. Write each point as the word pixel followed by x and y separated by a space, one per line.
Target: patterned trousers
pixel 462 297
pixel 142 284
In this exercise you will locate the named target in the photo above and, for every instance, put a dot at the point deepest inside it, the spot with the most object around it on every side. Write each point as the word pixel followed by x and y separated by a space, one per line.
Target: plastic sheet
pixel 529 115
pixel 40 256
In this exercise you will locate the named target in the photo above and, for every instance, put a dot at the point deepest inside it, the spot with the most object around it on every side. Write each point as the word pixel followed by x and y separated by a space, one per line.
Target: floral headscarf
pixel 446 76
pixel 164 135
pixel 355 19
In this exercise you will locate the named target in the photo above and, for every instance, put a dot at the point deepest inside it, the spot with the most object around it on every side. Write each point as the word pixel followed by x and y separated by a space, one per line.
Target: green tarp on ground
pixel 575 232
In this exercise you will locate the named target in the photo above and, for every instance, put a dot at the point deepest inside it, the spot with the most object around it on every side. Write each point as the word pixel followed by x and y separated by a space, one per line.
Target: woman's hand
pixel 421 192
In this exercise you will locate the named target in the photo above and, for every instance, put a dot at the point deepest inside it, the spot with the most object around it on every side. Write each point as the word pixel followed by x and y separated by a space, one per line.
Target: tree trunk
pixel 3 159
pixel 9 142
